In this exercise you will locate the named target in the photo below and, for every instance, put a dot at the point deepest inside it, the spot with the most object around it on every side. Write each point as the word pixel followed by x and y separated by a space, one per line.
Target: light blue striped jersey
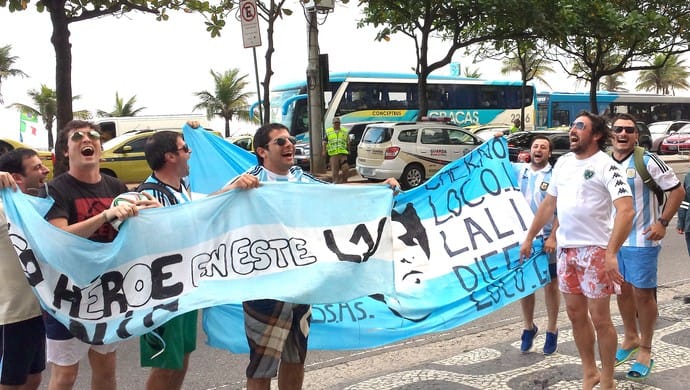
pixel 533 185
pixel 182 194
pixel 295 175
pixel 647 207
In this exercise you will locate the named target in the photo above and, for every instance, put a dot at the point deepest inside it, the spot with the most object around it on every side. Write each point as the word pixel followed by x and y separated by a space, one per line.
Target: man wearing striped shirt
pixel 637 258
pixel 533 179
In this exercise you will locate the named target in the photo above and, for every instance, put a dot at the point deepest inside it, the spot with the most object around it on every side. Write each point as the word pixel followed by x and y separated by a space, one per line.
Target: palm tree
pixel 45 106
pixel 6 63
pixel 122 108
pixel 670 74
pixel 612 83
pixel 228 101
pixel 472 73
pixel 530 66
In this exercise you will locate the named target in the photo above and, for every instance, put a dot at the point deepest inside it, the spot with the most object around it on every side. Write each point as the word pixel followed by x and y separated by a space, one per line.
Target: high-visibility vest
pixel 336 141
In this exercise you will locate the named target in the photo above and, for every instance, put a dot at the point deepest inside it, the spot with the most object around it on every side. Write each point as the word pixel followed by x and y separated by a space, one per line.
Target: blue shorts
pixel 22 351
pixel 638 265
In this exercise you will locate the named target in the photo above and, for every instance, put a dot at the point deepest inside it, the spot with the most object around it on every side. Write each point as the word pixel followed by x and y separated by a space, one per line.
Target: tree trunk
pixel 63 76
pixel 268 72
pixel 593 94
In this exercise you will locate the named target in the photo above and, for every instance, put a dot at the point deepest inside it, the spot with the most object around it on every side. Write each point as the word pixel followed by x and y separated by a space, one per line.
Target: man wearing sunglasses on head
pixel 586 185
pixel 638 257
pixel 277 331
pixel 82 206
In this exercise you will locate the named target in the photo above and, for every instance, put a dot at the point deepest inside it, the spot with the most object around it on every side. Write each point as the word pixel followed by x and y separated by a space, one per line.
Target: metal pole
pixel 258 89
pixel 315 97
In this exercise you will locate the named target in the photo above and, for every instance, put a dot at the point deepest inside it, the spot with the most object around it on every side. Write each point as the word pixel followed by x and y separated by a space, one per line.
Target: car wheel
pixel 412 176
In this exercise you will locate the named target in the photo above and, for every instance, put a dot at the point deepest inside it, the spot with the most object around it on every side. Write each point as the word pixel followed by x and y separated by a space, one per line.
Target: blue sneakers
pixel 528 338
pixel 551 343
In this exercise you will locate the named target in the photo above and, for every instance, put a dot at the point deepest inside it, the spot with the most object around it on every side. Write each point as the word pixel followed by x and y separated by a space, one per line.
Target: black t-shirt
pixel 78 201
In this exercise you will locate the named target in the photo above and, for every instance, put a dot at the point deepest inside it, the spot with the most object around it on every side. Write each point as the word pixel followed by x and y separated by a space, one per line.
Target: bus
pixel 359 97
pixel 556 109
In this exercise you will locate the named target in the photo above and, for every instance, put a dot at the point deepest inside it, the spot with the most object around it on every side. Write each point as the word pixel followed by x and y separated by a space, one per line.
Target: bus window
pixel 560 118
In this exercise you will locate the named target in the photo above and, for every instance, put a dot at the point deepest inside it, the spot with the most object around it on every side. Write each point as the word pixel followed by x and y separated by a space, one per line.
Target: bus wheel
pixel 412 176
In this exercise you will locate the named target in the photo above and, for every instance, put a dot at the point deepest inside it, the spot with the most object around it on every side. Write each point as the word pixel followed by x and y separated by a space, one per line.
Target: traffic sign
pixel 251 35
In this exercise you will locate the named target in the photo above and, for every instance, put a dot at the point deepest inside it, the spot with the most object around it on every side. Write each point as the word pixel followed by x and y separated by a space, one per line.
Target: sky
pixel 164 63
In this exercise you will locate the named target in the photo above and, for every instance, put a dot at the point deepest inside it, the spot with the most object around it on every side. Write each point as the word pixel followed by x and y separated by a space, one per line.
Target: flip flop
pixel 640 372
pixel 623 355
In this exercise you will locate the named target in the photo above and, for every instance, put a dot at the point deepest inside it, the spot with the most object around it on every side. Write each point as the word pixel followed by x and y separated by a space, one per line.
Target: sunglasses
pixel 184 148
pixel 281 141
pixel 578 125
pixel 79 135
pixel 619 129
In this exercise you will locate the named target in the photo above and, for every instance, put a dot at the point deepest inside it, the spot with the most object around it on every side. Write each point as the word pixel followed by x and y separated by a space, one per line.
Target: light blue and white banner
pixel 278 241
pixel 456 252
pixel 447 253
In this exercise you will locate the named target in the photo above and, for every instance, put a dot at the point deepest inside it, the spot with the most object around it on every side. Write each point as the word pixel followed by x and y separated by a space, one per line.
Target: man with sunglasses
pixel 82 206
pixel 22 332
pixel 167 348
pixel 277 331
pixel 585 187
pixel 638 257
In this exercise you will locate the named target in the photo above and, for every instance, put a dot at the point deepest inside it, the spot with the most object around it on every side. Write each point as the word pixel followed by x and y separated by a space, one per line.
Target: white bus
pixel 358 97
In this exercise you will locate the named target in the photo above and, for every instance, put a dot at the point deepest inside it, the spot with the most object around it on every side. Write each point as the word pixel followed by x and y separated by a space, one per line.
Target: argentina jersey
pixel 533 185
pixel 647 207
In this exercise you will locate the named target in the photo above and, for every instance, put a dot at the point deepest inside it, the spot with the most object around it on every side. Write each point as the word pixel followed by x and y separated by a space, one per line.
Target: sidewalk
pixel 471 358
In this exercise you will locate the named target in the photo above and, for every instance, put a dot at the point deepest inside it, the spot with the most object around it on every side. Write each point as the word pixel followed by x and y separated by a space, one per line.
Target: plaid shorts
pixel 275 330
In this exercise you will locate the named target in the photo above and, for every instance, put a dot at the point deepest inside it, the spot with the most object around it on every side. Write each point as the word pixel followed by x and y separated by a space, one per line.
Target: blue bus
pixel 359 97
pixel 561 108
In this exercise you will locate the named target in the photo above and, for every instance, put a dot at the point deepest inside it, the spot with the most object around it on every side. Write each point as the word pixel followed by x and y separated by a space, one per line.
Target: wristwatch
pixel 663 222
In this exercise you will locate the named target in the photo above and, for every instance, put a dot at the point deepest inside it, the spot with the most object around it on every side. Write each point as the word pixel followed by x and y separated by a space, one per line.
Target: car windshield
pixel 684 130
pixel 658 128
pixel 376 135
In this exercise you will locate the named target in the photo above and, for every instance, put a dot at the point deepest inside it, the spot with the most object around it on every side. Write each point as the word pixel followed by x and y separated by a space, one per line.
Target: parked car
pixel 519 144
pixel 245 142
pixel 645 137
pixel 661 130
pixel 411 151
pixel 303 153
pixel 46 157
pixel 123 156
pixel 678 142
pixel 486 133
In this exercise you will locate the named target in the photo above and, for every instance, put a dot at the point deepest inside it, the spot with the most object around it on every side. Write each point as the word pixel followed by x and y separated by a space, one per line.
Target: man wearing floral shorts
pixel 587 185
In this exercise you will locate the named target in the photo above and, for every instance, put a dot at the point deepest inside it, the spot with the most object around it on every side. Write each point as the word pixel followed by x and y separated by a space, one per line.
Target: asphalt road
pixel 415 363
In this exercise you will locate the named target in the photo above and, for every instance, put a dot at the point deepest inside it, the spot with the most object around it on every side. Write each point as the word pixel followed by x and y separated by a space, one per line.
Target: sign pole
pixel 258 89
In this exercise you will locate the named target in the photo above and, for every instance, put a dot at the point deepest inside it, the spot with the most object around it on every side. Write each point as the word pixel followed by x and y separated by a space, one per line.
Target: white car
pixel 661 130
pixel 411 152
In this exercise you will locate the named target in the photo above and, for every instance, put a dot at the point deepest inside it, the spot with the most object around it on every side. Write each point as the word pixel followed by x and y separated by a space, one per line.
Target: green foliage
pixel 6 66
pixel 228 100
pixel 668 74
pixel 121 108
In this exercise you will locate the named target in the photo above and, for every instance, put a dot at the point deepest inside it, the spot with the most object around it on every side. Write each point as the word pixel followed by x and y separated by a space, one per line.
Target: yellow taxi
pixel 244 141
pixel 123 156
pixel 46 157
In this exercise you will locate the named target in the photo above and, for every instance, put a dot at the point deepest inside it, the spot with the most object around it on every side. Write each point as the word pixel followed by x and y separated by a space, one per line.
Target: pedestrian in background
pixel 683 225
pixel 515 126
pixel 585 187
pixel 22 332
pixel 336 144
pixel 638 257
pixel 534 179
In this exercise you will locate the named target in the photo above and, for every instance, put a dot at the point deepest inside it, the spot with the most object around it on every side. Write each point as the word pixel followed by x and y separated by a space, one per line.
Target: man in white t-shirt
pixel 586 186
pixel 638 258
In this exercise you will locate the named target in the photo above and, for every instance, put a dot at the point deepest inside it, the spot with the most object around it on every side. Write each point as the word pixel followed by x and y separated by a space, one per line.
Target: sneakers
pixel 551 343
pixel 528 338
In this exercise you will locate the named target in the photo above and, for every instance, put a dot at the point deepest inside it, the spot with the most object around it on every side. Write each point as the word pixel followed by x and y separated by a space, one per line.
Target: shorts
pixel 553 273
pixel 638 265
pixel 22 350
pixel 275 330
pixel 166 346
pixel 581 271
pixel 64 349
